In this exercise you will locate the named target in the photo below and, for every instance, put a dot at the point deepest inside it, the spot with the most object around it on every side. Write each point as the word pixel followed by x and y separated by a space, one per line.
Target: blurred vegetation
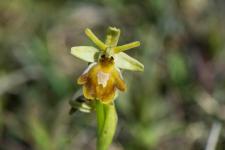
pixel 175 104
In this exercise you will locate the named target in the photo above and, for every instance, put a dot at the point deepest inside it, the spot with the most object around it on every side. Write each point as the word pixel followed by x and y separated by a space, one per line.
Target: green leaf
pixel 107 122
pixel 40 134
pixel 86 53
pixel 124 61
pixel 177 68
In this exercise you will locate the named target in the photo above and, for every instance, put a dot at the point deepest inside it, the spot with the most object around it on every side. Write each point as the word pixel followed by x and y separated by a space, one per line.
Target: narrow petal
pixel 124 61
pixel 95 39
pixel 126 47
pixel 86 53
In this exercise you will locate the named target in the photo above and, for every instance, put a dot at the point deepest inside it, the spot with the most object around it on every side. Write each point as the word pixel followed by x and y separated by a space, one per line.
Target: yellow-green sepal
pixel 86 53
pixel 124 61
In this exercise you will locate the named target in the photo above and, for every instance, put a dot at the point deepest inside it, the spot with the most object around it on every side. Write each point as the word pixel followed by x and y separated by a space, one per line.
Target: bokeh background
pixel 177 103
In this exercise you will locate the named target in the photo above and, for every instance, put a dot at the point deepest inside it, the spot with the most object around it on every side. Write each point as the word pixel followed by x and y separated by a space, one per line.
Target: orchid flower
pixel 103 78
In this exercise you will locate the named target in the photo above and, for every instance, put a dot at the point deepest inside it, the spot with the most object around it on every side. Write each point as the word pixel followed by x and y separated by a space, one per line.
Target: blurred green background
pixel 177 103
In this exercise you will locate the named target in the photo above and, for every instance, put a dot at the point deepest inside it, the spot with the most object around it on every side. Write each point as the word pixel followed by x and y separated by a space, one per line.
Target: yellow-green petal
pixel 95 39
pixel 125 47
pixel 86 53
pixel 124 61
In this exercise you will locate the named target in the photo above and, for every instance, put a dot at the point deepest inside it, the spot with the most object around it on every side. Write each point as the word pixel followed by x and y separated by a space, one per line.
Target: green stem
pixel 100 116
pixel 106 125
